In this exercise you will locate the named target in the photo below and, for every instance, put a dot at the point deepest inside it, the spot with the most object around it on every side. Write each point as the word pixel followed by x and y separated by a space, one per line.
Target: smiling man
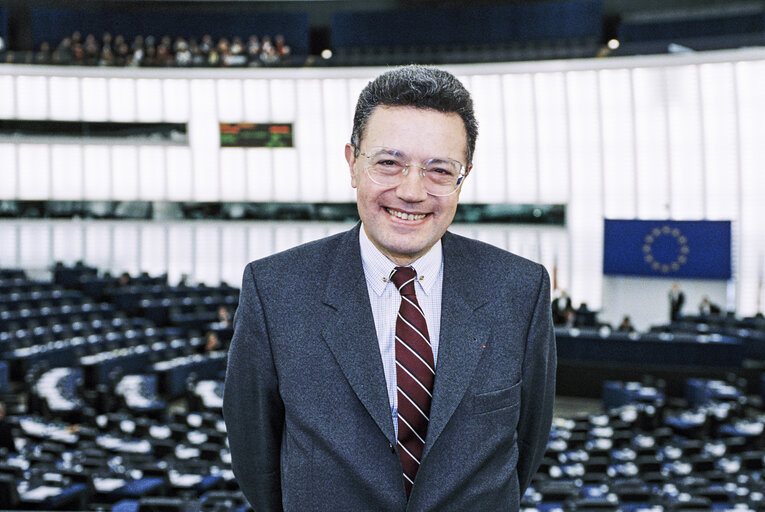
pixel 395 366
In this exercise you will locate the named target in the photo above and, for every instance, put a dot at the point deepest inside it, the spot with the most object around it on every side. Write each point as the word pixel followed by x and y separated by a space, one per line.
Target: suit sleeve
pixel 538 391
pixel 252 408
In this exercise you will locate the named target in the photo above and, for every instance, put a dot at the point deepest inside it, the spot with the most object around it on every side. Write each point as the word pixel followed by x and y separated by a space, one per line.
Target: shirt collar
pixel 377 267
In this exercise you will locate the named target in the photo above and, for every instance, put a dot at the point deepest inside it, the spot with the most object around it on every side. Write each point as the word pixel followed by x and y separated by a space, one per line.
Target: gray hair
pixel 419 87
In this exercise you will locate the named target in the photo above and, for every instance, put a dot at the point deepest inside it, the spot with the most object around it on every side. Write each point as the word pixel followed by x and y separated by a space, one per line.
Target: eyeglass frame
pixel 462 174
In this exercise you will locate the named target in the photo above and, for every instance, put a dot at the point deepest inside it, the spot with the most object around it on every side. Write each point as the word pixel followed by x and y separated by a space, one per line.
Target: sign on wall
pixel 256 135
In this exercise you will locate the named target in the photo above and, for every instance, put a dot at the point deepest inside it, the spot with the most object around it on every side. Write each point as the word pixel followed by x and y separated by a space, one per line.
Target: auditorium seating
pixel 117 407
pixel 102 383
pixel 645 454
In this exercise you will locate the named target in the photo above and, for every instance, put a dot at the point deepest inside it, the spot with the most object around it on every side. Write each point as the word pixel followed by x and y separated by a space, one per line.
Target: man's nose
pixel 412 186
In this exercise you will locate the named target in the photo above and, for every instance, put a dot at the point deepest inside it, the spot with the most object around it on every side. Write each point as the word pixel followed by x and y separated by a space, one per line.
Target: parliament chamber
pixel 134 190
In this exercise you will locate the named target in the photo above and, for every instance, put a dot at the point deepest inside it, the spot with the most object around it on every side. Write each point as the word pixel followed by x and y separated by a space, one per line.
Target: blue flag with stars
pixel 667 248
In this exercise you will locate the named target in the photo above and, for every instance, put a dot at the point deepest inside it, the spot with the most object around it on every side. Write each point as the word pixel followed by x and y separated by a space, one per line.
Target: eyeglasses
pixel 388 167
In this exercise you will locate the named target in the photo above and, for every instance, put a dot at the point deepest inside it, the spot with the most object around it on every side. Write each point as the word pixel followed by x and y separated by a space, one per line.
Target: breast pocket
pixel 497 400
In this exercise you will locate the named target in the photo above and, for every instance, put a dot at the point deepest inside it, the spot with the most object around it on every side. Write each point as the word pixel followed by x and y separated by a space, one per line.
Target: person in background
pixel 212 342
pixel 224 316
pixel 707 307
pixel 626 325
pixel 561 306
pixel 676 301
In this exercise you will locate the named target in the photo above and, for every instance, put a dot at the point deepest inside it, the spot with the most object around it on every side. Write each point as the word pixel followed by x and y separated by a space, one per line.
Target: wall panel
pixel 489 181
pixel 66 172
pixel 181 251
pixel 230 100
pixel 65 98
pixel 97 171
pixel 652 143
pixel 286 175
pixel 338 124
pixel 31 97
pixel 96 99
pixel 617 133
pixel 257 101
pixel 9 245
pixel 9 173
pixel 175 100
pixel 150 100
pixel 99 245
pixel 260 174
pixel 688 178
pixel 234 254
pixel 721 144
pixel 8 100
pixel 152 176
pixel 126 255
pixel 125 173
pixel 520 139
pixel 552 137
pixel 153 243
pixel 282 94
pixel 310 137
pixel 204 140
pixel 35 248
pixel 34 171
pixel 207 253
pixel 179 175
pixel 68 241
pixel 260 240
pixel 122 100
pixel 233 174
pixel 644 137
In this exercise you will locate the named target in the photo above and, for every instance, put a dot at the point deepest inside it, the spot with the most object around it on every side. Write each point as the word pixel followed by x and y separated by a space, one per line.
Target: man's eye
pixel 440 170
pixel 388 163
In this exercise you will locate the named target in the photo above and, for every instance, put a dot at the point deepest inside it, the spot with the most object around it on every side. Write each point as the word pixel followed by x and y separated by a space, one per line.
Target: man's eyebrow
pixel 390 151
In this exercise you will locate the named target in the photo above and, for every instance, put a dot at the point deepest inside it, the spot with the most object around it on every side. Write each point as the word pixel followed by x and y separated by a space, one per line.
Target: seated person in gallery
pixel 707 307
pixel 626 325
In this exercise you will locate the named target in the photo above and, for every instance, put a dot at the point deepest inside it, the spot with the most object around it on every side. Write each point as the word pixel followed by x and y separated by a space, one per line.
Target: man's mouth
pixel 406 216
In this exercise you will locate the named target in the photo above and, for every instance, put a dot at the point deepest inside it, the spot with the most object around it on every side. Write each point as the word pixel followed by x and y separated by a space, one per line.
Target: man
pixel 561 306
pixel 395 366
pixel 676 301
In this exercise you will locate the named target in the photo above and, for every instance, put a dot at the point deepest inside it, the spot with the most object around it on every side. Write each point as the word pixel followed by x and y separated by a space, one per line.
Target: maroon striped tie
pixel 415 370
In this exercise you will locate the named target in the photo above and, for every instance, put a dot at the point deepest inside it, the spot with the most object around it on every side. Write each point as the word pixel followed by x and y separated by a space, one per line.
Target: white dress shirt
pixel 385 300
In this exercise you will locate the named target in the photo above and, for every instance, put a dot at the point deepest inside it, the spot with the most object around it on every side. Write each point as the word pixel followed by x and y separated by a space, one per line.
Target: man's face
pixel 385 211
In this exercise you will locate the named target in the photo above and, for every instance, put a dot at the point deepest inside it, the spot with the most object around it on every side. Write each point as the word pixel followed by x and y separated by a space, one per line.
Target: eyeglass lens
pixel 441 176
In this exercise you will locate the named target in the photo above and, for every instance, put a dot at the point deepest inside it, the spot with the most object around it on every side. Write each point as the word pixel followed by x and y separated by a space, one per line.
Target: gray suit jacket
pixel 305 401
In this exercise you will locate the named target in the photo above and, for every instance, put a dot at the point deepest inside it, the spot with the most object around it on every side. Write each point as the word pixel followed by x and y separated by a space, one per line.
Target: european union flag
pixel 667 248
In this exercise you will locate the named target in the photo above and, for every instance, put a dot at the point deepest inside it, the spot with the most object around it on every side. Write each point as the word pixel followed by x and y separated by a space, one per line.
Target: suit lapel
pixel 349 331
pixel 461 338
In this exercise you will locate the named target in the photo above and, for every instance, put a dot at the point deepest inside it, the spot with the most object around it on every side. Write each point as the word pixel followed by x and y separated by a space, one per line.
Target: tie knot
pixel 403 278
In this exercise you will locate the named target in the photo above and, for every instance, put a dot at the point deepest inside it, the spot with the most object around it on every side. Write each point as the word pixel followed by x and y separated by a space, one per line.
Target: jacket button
pixel 392 448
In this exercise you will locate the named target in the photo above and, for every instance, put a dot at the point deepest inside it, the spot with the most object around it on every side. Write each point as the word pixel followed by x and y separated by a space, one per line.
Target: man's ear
pixel 350 157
